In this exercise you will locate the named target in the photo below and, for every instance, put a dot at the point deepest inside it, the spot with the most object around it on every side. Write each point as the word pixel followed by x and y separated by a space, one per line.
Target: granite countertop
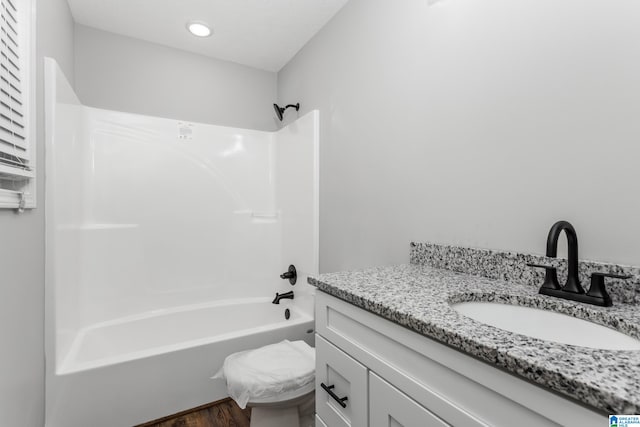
pixel 418 297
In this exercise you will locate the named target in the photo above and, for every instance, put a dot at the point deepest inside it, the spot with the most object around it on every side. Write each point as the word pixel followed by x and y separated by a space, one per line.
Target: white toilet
pixel 276 381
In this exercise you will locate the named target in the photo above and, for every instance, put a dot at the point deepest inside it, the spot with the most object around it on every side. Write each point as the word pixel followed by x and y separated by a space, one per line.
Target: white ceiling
pixel 263 34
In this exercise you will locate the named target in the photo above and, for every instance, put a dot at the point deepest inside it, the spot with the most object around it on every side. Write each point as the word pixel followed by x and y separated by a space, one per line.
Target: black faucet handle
pixel 613 276
pixel 547 267
pixel 598 288
pixel 550 277
pixel 291 274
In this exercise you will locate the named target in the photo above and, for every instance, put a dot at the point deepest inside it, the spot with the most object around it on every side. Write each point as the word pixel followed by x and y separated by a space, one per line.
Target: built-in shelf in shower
pixel 259 216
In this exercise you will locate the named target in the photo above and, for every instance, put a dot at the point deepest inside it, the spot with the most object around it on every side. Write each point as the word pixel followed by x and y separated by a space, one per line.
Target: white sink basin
pixel 547 325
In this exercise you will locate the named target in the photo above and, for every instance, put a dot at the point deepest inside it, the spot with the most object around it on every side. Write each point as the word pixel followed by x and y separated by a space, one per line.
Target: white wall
pixel 22 255
pixel 125 74
pixel 474 123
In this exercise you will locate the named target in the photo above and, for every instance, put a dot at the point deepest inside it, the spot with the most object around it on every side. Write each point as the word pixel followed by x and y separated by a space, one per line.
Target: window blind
pixel 16 165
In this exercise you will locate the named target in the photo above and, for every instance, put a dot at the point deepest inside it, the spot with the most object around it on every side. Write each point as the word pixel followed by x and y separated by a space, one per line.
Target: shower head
pixel 280 110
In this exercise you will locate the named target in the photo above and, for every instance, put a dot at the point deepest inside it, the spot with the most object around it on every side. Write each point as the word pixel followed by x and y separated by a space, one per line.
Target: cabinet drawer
pixel 389 407
pixel 338 376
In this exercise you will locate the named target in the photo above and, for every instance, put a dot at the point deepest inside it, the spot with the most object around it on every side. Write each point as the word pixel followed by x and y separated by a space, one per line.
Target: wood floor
pixel 223 413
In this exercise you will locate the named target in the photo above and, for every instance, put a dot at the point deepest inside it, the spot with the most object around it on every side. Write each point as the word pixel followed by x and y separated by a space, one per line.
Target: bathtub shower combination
pixel 164 245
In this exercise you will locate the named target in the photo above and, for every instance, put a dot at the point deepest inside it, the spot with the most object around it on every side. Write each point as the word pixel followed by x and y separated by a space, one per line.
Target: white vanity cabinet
pixel 389 407
pixel 392 376
pixel 342 381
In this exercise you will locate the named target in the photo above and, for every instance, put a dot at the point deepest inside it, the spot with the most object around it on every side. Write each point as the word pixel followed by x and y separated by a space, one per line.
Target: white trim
pixel 31 108
pixel 316 191
pixel 11 198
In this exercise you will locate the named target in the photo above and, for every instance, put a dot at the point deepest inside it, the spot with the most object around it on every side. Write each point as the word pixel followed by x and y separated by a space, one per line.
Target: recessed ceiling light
pixel 198 28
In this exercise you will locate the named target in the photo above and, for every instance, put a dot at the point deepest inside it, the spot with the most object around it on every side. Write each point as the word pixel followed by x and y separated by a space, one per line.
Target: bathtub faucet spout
pixel 286 295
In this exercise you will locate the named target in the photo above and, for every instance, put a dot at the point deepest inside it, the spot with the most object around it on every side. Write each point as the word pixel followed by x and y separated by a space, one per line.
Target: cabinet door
pixel 341 387
pixel 319 422
pixel 389 407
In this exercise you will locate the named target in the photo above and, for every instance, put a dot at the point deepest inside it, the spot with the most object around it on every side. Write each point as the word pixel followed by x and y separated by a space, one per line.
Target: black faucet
pixel 286 295
pixel 572 290
pixel 291 274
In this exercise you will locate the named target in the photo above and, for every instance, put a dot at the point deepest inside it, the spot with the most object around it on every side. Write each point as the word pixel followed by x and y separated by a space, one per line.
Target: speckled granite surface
pixel 512 266
pixel 418 297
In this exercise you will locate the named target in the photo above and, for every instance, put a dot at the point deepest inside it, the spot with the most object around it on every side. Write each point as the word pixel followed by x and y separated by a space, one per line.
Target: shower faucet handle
pixel 290 274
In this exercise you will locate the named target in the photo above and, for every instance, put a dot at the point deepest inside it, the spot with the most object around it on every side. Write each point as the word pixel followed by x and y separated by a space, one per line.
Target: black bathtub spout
pixel 286 295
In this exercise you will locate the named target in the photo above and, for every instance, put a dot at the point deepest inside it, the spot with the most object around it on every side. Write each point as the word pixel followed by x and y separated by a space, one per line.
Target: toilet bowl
pixel 276 381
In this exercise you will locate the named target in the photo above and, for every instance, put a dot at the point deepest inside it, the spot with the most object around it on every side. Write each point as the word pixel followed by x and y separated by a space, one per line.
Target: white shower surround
pixel 155 224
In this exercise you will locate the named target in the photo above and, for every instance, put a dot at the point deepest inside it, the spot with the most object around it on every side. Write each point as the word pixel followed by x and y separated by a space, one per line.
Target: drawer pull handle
pixel 340 400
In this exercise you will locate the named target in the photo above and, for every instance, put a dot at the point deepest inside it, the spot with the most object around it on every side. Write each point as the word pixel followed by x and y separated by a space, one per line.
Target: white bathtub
pixel 139 368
